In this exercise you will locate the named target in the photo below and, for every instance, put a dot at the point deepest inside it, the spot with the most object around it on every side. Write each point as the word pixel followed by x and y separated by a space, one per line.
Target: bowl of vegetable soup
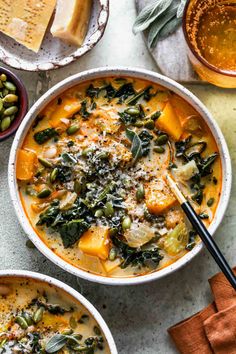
pixel 39 314
pixel 87 174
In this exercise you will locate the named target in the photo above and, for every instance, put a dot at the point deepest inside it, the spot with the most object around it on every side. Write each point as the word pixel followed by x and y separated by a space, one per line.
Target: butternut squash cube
pixel 67 109
pixel 54 322
pixel 169 122
pixel 95 242
pixel 158 197
pixel 26 165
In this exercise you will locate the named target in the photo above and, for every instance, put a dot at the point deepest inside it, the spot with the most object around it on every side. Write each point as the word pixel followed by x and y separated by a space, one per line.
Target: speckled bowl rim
pixel 69 290
pixel 136 73
pixel 56 64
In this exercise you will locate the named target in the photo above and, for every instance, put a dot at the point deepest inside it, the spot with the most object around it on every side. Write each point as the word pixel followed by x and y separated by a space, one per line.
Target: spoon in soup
pixel 202 231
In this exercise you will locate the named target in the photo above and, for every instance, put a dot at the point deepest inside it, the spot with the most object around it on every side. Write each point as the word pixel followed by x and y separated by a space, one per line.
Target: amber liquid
pixel 216 36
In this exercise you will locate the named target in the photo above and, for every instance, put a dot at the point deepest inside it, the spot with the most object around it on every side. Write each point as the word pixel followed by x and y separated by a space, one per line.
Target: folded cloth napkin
pixel 212 330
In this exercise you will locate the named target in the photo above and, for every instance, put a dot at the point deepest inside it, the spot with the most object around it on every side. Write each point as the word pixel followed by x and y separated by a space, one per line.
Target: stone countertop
pixel 138 316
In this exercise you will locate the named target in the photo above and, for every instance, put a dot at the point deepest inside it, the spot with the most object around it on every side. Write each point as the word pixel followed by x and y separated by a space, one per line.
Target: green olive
pixel 28 318
pixel 3 77
pixel 10 98
pixel 138 124
pixel 159 149
pixel 108 209
pixel 72 129
pixel 161 140
pixel 45 162
pixel 149 124
pixel 9 86
pixel 38 315
pixel 21 322
pixel 10 110
pixel 53 175
pixel 126 223
pixel 5 123
pixel 133 111
pixel 112 254
pixel 140 193
pixel 98 213
pixel 44 193
pixel 210 202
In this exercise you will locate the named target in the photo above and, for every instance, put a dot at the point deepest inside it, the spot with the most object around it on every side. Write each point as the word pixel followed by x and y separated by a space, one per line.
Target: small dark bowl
pixel 22 103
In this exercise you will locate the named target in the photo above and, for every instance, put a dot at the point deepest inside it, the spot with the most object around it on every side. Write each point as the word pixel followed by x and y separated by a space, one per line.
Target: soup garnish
pixel 36 317
pixel 91 175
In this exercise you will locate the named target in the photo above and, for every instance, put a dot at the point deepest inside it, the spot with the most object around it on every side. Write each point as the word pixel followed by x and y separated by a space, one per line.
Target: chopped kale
pixel 144 93
pixel 51 308
pixel 127 118
pixel 205 165
pixel 198 195
pixel 136 257
pixel 192 242
pixel 70 224
pixel 64 173
pixel 71 231
pixel 92 91
pixel 203 216
pixel 49 215
pixel 124 92
pixel 110 92
pixel 84 111
pixel 181 146
pixel 145 138
pixel 43 136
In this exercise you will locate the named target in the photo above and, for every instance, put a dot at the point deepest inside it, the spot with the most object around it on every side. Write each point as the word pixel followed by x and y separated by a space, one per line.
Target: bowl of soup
pixel 39 314
pixel 87 174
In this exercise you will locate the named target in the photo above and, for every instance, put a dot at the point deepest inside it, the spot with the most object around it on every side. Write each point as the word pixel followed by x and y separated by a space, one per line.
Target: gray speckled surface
pixel 138 316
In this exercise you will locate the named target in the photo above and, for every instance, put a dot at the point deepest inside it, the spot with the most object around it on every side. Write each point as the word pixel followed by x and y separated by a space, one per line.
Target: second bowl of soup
pixel 39 314
pixel 87 174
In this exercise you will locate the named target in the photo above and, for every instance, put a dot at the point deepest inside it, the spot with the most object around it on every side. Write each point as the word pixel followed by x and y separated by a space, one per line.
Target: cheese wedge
pixel 26 21
pixel 71 20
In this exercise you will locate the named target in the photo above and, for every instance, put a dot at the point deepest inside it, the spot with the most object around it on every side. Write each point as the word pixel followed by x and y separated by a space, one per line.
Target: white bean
pixel 50 152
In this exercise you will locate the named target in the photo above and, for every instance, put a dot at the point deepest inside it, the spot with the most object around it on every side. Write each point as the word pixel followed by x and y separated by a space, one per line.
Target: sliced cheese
pixel 71 20
pixel 26 21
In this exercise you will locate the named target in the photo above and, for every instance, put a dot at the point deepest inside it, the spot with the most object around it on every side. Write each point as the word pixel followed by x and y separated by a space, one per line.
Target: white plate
pixel 55 53
pixel 135 73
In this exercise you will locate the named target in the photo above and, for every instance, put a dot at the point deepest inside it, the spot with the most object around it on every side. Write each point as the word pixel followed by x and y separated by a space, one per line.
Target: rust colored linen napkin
pixel 212 330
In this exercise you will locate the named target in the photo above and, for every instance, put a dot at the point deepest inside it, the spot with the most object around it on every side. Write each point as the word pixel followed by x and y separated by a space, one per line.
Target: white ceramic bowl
pixel 77 296
pixel 106 72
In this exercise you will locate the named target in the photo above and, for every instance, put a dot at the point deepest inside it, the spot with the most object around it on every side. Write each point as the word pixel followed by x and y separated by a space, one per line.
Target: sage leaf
pixel 160 18
pixel 180 9
pixel 149 14
pixel 157 26
pixel 170 27
pixel 55 343
pixel 136 148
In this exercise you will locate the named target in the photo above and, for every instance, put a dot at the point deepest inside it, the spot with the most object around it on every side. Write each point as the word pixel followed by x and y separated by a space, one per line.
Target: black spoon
pixel 202 232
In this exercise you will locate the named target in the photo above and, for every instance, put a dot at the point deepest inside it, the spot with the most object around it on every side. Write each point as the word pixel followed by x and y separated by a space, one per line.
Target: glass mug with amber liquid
pixel 210 31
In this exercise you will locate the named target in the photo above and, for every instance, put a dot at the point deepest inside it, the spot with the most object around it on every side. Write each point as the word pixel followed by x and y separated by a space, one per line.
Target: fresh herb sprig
pixel 160 18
